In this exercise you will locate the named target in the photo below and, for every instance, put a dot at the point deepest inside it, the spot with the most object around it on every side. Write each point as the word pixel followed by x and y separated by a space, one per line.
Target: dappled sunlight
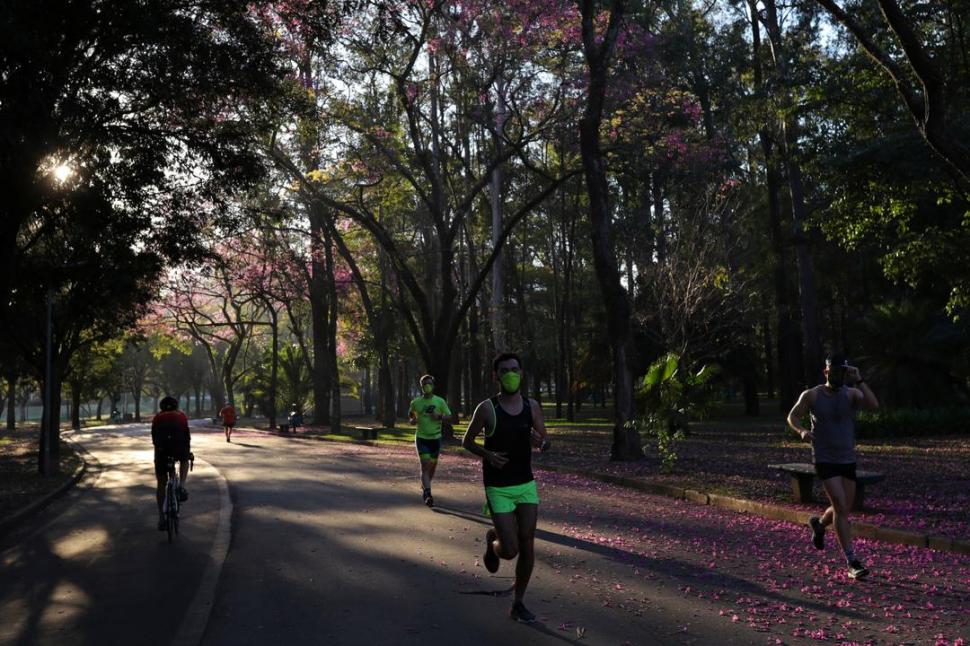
pixel 66 604
pixel 80 541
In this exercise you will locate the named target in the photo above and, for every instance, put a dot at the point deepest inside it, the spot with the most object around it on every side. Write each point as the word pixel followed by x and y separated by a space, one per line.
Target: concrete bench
pixel 802 474
pixel 366 432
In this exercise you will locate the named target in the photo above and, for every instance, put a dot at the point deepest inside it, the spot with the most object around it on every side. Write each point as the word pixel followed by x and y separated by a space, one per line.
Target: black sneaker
pixel 857 570
pixel 183 494
pixel 490 559
pixel 818 532
pixel 520 613
pixel 428 498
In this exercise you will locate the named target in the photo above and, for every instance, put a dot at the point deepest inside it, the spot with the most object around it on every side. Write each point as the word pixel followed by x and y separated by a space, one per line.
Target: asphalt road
pixel 329 543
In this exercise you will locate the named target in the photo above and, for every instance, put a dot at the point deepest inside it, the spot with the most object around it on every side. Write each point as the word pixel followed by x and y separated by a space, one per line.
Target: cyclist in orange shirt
pixel 228 415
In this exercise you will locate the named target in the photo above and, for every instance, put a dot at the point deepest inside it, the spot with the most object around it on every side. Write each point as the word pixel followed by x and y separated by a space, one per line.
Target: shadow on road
pixel 250 446
pixel 541 628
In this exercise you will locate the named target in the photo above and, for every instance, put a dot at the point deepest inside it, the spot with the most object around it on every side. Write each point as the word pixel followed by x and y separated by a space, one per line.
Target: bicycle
pixel 171 501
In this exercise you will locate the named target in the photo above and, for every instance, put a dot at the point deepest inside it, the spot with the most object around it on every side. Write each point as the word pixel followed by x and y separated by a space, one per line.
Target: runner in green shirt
pixel 427 411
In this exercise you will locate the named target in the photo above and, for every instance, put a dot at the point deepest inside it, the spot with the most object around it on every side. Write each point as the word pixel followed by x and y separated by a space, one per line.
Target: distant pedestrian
pixel 832 408
pixel 228 415
pixel 512 425
pixel 428 411
pixel 295 419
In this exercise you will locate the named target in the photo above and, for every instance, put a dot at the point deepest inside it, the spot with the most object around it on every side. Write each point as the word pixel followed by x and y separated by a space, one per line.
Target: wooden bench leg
pixel 860 496
pixel 801 487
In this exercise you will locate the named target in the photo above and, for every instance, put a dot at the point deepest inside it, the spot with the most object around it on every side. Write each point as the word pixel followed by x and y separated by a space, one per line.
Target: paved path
pixel 92 568
pixel 330 544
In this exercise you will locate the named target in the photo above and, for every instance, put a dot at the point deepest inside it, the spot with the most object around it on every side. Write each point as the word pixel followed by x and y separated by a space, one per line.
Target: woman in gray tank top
pixel 832 408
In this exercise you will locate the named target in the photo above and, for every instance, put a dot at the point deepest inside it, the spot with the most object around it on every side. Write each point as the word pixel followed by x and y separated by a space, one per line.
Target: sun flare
pixel 62 172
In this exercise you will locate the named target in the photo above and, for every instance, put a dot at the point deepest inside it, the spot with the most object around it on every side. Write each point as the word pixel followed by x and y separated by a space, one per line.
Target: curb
pixel 8 523
pixel 739 505
pixel 193 625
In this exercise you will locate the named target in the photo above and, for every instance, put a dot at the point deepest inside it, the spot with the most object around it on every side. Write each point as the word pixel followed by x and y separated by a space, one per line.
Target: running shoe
pixel 857 570
pixel 490 559
pixel 520 613
pixel 183 494
pixel 818 532
pixel 428 498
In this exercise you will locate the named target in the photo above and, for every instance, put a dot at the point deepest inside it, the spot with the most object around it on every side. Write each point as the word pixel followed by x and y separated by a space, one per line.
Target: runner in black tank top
pixel 512 435
pixel 512 425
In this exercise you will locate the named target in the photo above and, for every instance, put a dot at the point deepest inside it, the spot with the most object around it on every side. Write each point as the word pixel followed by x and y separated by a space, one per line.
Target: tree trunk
pixel 496 312
pixel 319 314
pixel 789 341
pixel 769 355
pixel 659 229
pixel 76 406
pixel 457 361
pixel 403 401
pixel 274 371
pixel 50 441
pixel 366 395
pixel 626 440
pixel 385 385
pixel 11 400
pixel 136 395
pixel 808 299
pixel 335 411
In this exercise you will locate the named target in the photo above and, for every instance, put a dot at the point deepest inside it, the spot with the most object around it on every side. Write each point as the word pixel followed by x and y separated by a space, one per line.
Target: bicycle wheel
pixel 171 512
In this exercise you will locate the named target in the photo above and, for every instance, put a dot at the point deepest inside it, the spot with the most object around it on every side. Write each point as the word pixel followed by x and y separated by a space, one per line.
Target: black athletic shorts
pixel 826 470
pixel 181 453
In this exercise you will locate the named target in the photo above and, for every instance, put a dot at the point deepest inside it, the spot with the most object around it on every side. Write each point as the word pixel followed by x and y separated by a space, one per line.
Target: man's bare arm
pixel 480 418
pixel 798 411
pixel 538 423
pixel 475 427
pixel 862 394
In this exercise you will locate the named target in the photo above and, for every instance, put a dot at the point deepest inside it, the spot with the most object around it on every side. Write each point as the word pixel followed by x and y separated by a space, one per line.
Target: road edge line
pixel 193 625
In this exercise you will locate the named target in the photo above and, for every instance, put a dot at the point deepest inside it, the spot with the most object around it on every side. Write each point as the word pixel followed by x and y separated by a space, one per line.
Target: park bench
pixel 802 474
pixel 366 432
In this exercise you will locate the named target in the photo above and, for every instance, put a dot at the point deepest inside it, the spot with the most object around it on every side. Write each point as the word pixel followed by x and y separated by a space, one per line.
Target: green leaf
pixel 652 377
pixel 671 366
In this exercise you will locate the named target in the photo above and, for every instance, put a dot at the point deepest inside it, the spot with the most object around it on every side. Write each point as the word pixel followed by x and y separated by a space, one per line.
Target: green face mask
pixel 428 389
pixel 510 382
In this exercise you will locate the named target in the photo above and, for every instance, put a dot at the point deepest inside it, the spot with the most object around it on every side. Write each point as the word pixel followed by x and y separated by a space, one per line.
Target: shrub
pixel 670 395
pixel 901 422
